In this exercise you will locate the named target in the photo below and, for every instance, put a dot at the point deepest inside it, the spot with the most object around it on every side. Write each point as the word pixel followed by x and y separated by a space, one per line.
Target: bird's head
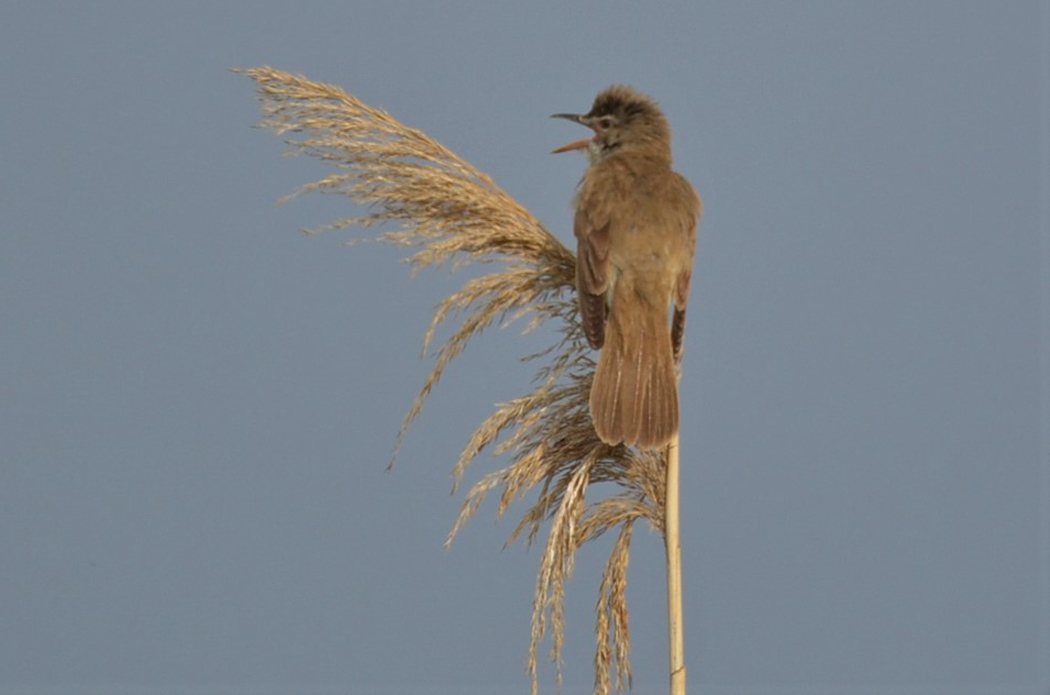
pixel 622 120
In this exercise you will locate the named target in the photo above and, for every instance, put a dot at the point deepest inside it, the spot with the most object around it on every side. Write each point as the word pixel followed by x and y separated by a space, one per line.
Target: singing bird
pixel 635 227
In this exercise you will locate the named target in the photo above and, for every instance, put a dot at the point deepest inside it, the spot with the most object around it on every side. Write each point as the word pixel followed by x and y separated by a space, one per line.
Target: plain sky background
pixel 197 403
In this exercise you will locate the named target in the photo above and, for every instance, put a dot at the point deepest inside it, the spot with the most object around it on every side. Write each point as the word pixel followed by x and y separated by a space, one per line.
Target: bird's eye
pixel 605 123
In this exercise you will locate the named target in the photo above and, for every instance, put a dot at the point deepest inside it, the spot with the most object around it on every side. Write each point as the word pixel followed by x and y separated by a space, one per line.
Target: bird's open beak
pixel 579 145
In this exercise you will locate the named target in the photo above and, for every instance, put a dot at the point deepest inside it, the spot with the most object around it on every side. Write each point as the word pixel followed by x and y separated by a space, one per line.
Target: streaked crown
pixel 625 118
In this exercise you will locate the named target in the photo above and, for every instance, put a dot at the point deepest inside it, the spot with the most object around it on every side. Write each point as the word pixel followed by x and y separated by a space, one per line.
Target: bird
pixel 635 225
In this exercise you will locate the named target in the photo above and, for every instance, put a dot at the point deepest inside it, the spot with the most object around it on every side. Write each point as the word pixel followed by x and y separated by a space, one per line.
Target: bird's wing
pixel 591 227
pixel 690 209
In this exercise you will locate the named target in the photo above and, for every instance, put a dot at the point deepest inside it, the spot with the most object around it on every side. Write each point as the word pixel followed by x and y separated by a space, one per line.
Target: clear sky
pixel 197 403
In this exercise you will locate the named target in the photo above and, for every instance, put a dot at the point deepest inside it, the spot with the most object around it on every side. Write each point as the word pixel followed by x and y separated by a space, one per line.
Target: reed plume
pixel 448 212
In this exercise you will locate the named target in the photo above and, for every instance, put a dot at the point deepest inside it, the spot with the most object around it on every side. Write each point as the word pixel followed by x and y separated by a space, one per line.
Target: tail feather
pixel 634 398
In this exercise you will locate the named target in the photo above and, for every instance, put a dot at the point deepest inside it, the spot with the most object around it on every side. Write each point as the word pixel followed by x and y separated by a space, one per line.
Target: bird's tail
pixel 634 398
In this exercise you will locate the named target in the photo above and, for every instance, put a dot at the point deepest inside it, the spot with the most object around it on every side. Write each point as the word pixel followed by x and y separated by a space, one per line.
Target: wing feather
pixel 591 227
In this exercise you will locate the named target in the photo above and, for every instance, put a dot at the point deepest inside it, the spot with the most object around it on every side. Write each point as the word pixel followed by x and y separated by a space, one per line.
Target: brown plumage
pixel 635 227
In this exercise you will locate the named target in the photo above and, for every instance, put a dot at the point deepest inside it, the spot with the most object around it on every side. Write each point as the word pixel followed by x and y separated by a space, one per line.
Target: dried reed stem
pixel 672 543
pixel 449 212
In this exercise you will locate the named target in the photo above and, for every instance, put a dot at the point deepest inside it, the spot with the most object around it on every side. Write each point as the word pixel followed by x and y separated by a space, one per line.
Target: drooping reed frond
pixel 449 212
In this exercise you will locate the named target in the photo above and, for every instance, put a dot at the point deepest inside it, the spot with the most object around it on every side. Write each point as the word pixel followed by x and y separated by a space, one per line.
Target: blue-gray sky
pixel 197 403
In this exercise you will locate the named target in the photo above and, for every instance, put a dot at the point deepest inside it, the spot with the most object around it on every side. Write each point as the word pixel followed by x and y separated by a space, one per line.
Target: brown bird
pixel 635 227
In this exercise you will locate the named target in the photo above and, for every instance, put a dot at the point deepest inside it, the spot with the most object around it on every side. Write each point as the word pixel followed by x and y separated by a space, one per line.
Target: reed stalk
pixel 672 543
